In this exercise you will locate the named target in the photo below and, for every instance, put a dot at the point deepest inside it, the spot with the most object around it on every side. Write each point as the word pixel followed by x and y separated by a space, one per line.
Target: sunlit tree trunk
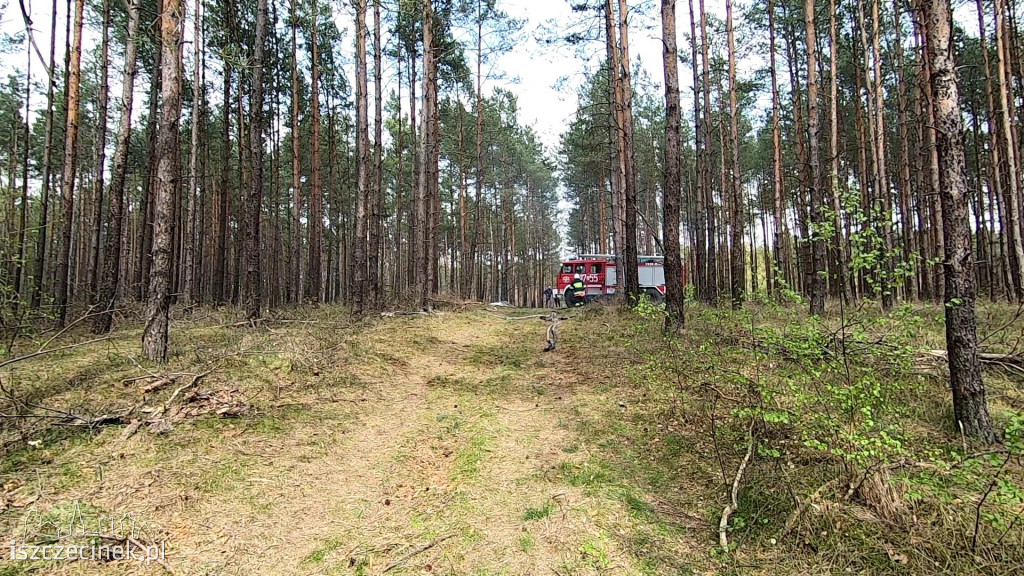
pixel 70 166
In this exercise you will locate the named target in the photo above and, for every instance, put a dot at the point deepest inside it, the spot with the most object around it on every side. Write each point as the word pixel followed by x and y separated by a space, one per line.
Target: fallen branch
pixel 149 388
pixel 791 522
pixel 530 317
pixel 404 313
pixel 195 380
pixel 723 525
pixel 1007 360
pixel 415 552
pixel 553 335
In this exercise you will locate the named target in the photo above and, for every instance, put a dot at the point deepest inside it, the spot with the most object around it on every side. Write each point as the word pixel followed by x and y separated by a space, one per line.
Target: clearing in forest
pixel 449 443
pixel 445 443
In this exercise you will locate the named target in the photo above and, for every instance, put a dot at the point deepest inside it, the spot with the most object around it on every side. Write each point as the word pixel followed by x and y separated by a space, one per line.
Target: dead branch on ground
pixel 723 525
pixel 415 552
pixel 553 334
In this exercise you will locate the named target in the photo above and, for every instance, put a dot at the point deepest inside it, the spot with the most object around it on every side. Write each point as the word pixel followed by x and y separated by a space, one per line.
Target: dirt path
pixel 448 447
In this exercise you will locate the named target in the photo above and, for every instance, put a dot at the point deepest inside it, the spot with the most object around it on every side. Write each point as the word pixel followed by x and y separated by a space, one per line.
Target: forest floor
pixel 356 448
pixel 446 443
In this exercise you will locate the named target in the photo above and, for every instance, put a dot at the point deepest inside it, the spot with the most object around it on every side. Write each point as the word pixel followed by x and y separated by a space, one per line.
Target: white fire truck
pixel 599 271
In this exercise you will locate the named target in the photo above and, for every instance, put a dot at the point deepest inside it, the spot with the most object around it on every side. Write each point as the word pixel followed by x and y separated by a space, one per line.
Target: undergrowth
pixel 855 464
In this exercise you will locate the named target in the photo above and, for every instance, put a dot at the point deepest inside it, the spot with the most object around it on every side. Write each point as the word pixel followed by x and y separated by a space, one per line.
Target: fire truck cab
pixel 599 274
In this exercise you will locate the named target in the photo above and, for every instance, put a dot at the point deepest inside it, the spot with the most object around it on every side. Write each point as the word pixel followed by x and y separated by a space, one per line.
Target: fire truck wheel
pixel 655 296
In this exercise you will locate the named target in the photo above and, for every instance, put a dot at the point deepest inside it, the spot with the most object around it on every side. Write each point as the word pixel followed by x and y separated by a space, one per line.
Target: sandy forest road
pixel 445 444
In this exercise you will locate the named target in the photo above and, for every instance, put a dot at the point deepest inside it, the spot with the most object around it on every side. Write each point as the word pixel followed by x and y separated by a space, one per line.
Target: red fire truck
pixel 598 273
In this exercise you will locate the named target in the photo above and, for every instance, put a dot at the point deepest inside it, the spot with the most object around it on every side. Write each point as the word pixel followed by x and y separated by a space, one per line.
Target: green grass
pixel 541 512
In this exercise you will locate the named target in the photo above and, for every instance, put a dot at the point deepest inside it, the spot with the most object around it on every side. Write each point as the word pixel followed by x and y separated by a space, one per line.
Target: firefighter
pixel 575 293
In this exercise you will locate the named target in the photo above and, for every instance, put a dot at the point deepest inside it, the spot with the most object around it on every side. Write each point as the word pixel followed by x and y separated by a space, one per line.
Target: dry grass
pixel 365 442
pixel 450 444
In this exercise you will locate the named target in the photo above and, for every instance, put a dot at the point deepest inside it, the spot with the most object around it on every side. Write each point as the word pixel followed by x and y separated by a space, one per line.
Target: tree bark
pixel 155 337
pixel 630 274
pixel 190 241
pixel 969 403
pixel 737 252
pixel 111 280
pixel 44 224
pixel 711 293
pixel 93 270
pixel 373 247
pixel 70 167
pixel 1006 131
pixel 254 204
pixel 363 160
pixel 314 277
pixel 672 198
pixel 815 282
pixel 781 243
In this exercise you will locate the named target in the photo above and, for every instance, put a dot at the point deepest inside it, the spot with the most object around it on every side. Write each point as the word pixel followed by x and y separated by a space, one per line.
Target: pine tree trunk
pixel 70 166
pixel 363 159
pixel 373 248
pixel 44 209
pixel 631 278
pixel 969 403
pixel 674 291
pixel 815 281
pixel 145 239
pixel 254 204
pixel 471 279
pixel 909 245
pixel 616 163
pixel 700 240
pixel 189 292
pixel 314 277
pixel 221 290
pixel 295 235
pixel 840 244
pixel 995 183
pixel 781 243
pixel 704 169
pixel 737 257
pixel 93 269
pixel 421 281
pixel 1009 150
pixel 111 280
pixel 155 337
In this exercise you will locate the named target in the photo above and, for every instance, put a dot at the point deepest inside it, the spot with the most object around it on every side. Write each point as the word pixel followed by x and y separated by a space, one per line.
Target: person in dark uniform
pixel 575 293
pixel 547 296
